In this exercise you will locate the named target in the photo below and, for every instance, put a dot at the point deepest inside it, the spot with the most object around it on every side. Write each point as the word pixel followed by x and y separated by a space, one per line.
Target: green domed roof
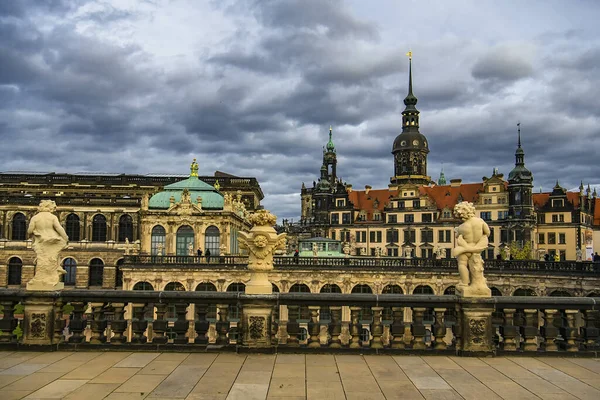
pixel 211 198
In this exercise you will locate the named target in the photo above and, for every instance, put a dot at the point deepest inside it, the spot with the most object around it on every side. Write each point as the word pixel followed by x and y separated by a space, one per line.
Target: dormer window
pixel 558 203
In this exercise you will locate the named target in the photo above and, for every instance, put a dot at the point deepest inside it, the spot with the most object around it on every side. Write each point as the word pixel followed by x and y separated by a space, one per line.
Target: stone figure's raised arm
pixel 486 229
pixel 59 229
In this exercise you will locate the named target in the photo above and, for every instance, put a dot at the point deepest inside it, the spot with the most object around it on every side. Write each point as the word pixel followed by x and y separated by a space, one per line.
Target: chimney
pixel 455 182
pixel 367 189
pixel 349 188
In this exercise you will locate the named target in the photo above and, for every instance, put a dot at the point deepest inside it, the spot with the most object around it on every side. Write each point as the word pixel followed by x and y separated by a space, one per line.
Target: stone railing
pixel 570 268
pixel 201 321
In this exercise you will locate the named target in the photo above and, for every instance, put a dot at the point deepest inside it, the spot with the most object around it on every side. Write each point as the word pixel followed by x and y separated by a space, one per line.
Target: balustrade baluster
pixel 139 324
pixel 59 322
pixel 570 332
pixel 376 328
pixel 293 327
pixel 509 332
pixel 223 325
pixel 181 325
pixel 314 327
pixel 335 327
pixel 98 324
pixel 549 332
pixel 439 329
pixel 530 332
pixel 160 325
pixel 590 331
pixel 418 329
pixel 118 325
pixel 275 326
pixel 354 327
pixel 202 325
pixel 8 323
pixel 77 324
pixel 397 328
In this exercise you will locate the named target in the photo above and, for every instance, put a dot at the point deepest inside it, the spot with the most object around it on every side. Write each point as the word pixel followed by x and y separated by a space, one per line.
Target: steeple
pixel 410 115
pixel 442 179
pixel 330 146
pixel 520 173
pixel 519 154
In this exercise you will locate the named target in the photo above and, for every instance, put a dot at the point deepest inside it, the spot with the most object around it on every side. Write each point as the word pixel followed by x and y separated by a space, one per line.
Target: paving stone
pixel 6 353
pixel 286 387
pixel 474 391
pixel 248 391
pixel 180 383
pixel 290 359
pixel 8 379
pixel 249 376
pixel 141 384
pixel 206 396
pixel 23 369
pixel 289 371
pixel 215 382
pixel 320 360
pixel 569 368
pixel 115 375
pixel 230 358
pixel 430 383
pixel 34 381
pixel 159 367
pixel 592 365
pixel 430 394
pixel 341 359
pixel 365 396
pixel 437 362
pixel 322 374
pixel 137 360
pixel 172 357
pixel 14 394
pixel 200 359
pixel 95 367
pixel 399 390
pixel 92 391
pixel 330 391
pixel 126 396
pixel 385 369
pixel 57 389
pixel 17 358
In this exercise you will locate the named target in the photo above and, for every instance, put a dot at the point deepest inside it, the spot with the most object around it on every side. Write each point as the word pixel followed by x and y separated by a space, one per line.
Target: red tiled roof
pixel 447 196
pixel 364 201
pixel 597 212
pixel 541 199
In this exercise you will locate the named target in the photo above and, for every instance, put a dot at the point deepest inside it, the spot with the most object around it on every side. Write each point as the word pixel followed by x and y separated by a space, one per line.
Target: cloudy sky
pixel 251 87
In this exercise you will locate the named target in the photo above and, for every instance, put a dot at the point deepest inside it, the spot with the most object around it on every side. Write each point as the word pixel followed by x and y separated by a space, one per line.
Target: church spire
pixel 330 146
pixel 410 101
pixel 520 153
pixel 442 179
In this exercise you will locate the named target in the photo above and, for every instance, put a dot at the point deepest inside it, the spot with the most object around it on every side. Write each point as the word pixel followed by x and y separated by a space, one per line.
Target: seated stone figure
pixel 49 238
pixel 471 240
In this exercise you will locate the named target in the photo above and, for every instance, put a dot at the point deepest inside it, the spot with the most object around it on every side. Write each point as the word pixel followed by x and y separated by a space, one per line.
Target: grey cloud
pixel 504 64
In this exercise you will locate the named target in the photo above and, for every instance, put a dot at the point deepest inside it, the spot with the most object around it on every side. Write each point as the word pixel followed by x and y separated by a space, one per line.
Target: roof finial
pixel 194 168
pixel 409 54
pixel 330 145
pixel 519 131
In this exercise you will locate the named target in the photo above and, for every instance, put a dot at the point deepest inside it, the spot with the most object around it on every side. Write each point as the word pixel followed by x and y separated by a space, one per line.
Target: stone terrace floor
pixel 115 375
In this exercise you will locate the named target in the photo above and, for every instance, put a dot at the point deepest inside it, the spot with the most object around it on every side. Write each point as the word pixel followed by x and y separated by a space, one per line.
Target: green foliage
pixel 520 252
pixel 19 308
pixel 67 309
pixel 18 332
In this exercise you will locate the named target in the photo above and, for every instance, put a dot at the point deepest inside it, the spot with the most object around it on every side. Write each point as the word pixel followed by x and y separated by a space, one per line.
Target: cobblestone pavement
pixel 127 375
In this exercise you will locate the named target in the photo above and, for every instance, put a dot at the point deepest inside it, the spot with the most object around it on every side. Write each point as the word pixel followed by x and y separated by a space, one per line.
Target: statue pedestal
pixel 38 322
pixel 477 330
pixel 257 325
pixel 474 291
pixel 31 285
pixel 259 284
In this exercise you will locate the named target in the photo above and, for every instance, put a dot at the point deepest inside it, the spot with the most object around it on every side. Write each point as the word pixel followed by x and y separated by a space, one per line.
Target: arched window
pixel 125 228
pixel 15 268
pixel 143 286
pixel 174 287
pixel 212 240
pixel 70 265
pixel 423 289
pixel 234 311
pixel 593 294
pixel 96 272
pixel 560 293
pixel 119 274
pixel 325 312
pixel 185 237
pixel 99 228
pixel 524 292
pixel 362 289
pixel 158 238
pixel 73 228
pixel 212 308
pixel 303 312
pixel 450 290
pixel 365 313
pixel 274 288
pixel 496 291
pixel 19 227
pixel 392 289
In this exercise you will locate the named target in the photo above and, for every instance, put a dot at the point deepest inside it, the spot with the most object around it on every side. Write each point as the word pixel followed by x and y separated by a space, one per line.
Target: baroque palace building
pixel 109 216
pixel 413 217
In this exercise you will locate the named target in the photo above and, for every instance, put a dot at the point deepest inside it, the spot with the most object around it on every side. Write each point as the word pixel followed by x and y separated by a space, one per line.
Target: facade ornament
pixel 377 252
pixel 190 249
pixel 578 253
pixel 49 238
pixel 199 202
pixel 217 185
pixel 223 249
pixel 315 250
pixel 160 247
pixel 127 247
pixel 471 240
pixel 145 202
pixel 261 242
pixel 194 168
pixel 347 249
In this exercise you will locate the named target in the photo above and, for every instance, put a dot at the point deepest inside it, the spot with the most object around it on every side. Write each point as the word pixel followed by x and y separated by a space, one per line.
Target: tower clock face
pixel 415 142
pixel 403 143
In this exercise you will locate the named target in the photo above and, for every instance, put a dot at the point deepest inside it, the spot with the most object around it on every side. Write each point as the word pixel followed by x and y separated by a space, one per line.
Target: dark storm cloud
pixel 502 64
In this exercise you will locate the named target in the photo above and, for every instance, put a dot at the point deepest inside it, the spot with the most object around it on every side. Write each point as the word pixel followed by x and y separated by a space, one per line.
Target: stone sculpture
pixel 49 238
pixel 347 249
pixel 190 249
pixel 160 249
pixel 471 240
pixel 315 250
pixel 261 242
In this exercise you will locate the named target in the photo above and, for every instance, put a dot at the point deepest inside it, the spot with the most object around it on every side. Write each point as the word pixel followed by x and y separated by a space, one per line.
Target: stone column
pixel 477 330
pixel 261 242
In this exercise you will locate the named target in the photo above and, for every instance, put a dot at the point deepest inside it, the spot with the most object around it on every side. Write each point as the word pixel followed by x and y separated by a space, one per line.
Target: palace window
pixel 426 217
pixel 185 237
pixel 392 219
pixel 119 274
pixel 393 252
pixel 99 228
pixel 447 214
pixel 15 269
pixel 375 236
pixel 340 203
pixel 157 240
pixel 541 218
pixel 325 313
pixel 335 219
pixel 376 216
pixel 426 236
pixel 503 236
pixel 96 272
pixel 125 228
pixel 70 265
pixel 303 312
pixel 19 227
pixel 491 237
pixel 392 236
pixel 212 240
pixel 541 238
pixel 417 204
pixel 558 203
pixel 551 238
pixel 554 217
pixel 234 311
pixel 409 218
pixel 346 219
pixel 73 227
pixel 365 312
pixel 486 215
pixel 502 214
pixel 444 236
pixel 361 236
pixel 562 238
pixel 409 236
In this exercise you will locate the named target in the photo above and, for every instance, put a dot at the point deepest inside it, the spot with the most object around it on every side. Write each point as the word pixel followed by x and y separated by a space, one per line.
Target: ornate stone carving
pixel 257 327
pixel 49 238
pixel 477 328
pixel 471 240
pixel 38 326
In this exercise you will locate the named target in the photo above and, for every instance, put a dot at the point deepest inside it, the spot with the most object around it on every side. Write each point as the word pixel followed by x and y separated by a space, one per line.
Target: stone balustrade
pixel 308 322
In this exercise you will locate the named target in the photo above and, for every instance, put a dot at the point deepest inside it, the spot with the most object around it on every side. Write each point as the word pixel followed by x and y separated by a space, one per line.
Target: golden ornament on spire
pixel 409 54
pixel 217 185
pixel 194 168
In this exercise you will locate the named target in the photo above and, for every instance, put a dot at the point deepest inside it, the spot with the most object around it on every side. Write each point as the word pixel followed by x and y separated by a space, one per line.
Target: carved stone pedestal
pixel 31 285
pixel 38 322
pixel 257 320
pixel 477 334
pixel 259 284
